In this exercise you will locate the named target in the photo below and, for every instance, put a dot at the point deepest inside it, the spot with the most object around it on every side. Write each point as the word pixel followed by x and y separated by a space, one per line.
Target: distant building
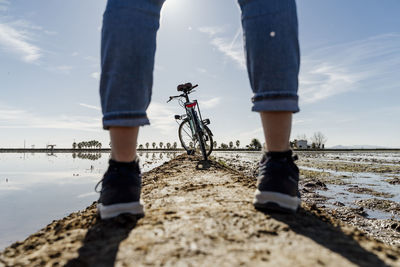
pixel 301 144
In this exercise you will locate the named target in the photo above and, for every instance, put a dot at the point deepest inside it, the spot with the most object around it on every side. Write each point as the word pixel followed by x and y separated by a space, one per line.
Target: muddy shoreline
pixel 319 177
pixel 200 214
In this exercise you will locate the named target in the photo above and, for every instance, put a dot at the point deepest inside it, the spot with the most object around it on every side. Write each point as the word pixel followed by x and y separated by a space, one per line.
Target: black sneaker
pixel 120 190
pixel 277 186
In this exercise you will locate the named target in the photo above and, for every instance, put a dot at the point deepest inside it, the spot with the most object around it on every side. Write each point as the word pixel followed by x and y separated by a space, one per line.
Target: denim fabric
pixel 270 31
pixel 128 47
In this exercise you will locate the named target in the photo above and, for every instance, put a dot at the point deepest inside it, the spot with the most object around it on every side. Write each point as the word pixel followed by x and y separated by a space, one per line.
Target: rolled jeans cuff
pixel 124 120
pixel 275 103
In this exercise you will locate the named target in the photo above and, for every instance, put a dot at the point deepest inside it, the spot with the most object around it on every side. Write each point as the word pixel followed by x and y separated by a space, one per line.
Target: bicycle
pixel 193 131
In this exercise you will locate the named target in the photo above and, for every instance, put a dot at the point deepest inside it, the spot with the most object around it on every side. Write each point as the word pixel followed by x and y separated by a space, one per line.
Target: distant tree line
pixel 91 156
pixel 87 144
pixel 161 145
pixel 255 144
pixel 318 141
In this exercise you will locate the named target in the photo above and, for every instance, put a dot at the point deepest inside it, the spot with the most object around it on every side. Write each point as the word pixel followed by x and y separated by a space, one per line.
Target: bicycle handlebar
pixel 184 93
pixel 174 96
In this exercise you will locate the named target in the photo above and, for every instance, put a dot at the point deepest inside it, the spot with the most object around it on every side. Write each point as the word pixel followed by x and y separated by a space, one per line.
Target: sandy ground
pixel 200 214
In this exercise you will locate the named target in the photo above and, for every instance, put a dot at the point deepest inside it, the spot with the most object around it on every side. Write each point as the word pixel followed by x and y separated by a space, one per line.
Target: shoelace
pixel 97 185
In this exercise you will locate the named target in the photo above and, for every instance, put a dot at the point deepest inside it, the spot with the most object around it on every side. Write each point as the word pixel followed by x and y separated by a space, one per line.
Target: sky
pixel 349 79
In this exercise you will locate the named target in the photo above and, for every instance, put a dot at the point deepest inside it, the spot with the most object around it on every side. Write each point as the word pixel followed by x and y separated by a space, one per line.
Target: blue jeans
pixel 128 47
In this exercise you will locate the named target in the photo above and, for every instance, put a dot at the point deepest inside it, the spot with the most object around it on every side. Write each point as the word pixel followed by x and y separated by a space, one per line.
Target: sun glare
pixel 172 4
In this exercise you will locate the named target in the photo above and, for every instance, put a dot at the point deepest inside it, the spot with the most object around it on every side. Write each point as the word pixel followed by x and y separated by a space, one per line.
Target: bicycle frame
pixel 195 125
pixel 199 132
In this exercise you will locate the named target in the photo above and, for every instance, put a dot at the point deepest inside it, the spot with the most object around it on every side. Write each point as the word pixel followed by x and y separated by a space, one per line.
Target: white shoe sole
pixel 285 201
pixel 114 210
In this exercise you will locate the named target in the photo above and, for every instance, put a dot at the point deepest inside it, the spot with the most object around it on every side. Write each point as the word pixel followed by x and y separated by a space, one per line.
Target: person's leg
pixel 127 59
pixel 272 51
pixel 277 126
pixel 123 143
pixel 272 55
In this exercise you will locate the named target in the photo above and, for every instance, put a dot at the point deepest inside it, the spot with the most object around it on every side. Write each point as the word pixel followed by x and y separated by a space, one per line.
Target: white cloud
pixel 234 52
pixel 24 119
pixel 24 24
pixel 201 70
pixel 19 42
pixel 362 64
pixel 4 5
pixel 211 103
pixel 231 48
pixel 64 69
pixel 250 134
pixel 162 118
pixel 50 32
pixel 92 59
pixel 89 106
pixel 301 121
pixel 211 30
pixel 158 67
pixel 95 75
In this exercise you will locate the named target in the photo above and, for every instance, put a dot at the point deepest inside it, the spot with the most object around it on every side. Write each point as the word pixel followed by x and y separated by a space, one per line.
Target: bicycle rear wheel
pixel 191 143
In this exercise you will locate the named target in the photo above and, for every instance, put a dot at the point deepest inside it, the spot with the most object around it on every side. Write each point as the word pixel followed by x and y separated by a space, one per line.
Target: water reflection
pixel 158 155
pixel 87 155
pixel 38 188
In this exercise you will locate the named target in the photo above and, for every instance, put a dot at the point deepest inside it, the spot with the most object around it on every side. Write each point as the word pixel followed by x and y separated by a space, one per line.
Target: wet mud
pixel 201 214
pixel 327 178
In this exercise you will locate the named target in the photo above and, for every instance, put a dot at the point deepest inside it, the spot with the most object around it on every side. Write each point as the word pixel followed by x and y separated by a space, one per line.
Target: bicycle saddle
pixel 184 87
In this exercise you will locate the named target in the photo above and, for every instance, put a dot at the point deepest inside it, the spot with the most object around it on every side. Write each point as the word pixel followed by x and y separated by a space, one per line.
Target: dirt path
pixel 199 216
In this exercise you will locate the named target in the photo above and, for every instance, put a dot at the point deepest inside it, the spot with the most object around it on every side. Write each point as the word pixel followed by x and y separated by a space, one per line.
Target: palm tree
pixel 237 143
pixel 230 144
pixel 174 145
pixel 215 144
pixel 168 145
pixel 161 145
pixel 147 145
pixel 154 145
pixel 255 144
pixel 74 145
pixel 140 146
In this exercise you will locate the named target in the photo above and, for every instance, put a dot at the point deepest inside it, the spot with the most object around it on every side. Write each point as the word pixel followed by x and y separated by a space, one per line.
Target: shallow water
pixel 340 193
pixel 36 189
